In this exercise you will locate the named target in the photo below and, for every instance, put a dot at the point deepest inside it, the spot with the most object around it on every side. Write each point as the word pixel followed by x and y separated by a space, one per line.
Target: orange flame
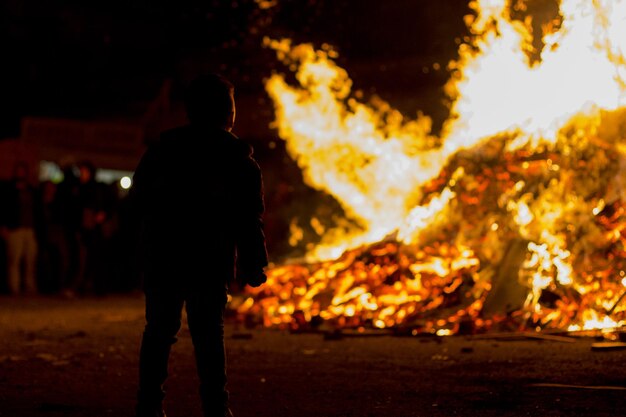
pixel 508 165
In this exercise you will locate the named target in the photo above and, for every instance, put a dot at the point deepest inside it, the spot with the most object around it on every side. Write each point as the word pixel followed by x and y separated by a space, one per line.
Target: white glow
pixel 126 182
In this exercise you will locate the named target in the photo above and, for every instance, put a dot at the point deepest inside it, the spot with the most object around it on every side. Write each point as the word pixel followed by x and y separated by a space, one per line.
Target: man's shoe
pixel 227 413
pixel 143 411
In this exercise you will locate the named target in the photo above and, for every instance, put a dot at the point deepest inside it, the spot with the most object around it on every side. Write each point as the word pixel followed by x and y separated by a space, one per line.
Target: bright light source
pixel 125 182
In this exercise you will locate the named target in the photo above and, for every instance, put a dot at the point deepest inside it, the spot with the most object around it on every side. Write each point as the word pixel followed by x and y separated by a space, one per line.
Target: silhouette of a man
pixel 20 213
pixel 200 197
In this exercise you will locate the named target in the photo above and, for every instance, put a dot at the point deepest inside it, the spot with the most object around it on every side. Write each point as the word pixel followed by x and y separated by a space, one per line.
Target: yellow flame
pixel 594 321
pixel 581 70
pixel 349 150
pixel 376 163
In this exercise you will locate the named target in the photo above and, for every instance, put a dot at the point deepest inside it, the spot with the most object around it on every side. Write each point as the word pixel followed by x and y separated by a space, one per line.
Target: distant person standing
pixel 18 216
pixel 68 203
pixel 200 197
pixel 95 206
pixel 52 266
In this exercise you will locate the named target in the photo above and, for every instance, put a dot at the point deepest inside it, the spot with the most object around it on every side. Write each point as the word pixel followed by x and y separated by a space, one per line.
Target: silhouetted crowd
pixel 73 237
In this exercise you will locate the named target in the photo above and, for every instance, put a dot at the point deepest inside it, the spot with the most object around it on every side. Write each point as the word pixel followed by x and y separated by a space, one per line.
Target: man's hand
pixel 257 279
pixel 253 279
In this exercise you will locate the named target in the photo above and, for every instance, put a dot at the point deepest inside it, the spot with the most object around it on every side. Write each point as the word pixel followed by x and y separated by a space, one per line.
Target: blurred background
pixel 86 86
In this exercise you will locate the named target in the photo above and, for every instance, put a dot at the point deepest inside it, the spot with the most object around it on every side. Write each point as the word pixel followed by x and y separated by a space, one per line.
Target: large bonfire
pixel 514 214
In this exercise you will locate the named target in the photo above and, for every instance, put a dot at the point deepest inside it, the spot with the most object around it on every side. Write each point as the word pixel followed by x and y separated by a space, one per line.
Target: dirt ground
pixel 78 358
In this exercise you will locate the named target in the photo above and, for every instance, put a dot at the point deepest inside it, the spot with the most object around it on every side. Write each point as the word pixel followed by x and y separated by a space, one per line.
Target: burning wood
pixel 384 285
pixel 533 152
pixel 446 278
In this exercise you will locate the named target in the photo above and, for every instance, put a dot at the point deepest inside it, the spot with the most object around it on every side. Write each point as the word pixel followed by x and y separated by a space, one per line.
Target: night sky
pixel 107 59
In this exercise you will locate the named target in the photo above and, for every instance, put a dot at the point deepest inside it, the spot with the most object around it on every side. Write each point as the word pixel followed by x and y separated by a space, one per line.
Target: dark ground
pixel 78 358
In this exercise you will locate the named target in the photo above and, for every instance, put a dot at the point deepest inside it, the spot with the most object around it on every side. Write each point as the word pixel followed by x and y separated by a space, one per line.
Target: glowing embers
pixel 385 285
pixel 572 218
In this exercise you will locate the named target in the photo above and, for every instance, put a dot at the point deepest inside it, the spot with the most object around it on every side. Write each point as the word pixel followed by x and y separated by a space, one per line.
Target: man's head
pixel 21 174
pixel 87 172
pixel 210 102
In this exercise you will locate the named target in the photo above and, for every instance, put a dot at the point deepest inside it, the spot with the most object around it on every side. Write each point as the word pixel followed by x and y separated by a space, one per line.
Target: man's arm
pixel 142 181
pixel 250 239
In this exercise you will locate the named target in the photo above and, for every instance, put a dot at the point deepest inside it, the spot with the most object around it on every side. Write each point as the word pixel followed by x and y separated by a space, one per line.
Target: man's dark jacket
pixel 11 210
pixel 199 195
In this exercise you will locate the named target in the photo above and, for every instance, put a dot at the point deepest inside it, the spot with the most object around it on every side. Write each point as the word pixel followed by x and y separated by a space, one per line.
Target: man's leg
pixel 205 314
pixel 15 252
pixel 30 261
pixel 73 261
pixel 163 311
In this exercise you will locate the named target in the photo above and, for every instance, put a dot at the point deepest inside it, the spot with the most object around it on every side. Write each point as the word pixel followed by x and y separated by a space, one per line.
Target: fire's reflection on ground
pixel 78 358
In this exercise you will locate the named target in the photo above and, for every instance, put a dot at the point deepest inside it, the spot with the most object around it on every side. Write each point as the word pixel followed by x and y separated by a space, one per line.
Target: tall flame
pixel 393 177
pixel 371 161
pixel 580 71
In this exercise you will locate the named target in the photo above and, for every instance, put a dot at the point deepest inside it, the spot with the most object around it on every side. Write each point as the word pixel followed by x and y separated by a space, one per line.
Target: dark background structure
pixel 105 59
pixel 98 80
